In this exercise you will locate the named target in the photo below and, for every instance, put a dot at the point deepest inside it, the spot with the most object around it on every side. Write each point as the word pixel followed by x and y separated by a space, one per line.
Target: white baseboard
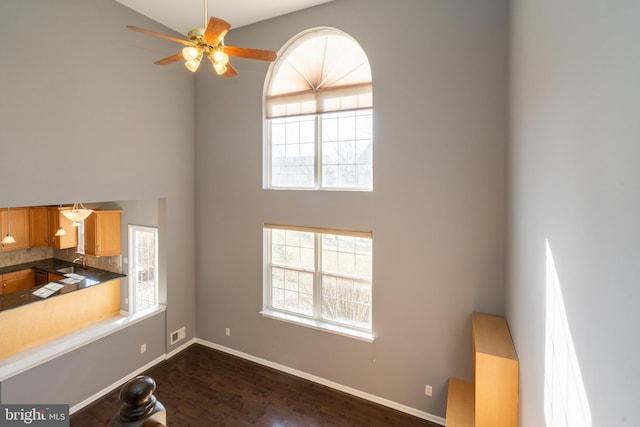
pixel 179 349
pixel 354 392
pixel 116 384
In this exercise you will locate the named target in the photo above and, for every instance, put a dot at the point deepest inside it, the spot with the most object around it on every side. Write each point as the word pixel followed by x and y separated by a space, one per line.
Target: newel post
pixel 139 408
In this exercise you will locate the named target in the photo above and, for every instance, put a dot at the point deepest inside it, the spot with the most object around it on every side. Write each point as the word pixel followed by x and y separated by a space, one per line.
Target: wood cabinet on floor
pixel 15 220
pixel 17 280
pixel 102 233
pixel 491 400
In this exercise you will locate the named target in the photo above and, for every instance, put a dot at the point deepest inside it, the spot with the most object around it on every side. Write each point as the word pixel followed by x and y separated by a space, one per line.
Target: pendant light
pixel 77 214
pixel 8 239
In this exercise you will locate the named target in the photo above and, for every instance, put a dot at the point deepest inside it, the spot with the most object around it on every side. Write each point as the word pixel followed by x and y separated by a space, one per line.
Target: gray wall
pixel 86 116
pixel 438 210
pixel 576 184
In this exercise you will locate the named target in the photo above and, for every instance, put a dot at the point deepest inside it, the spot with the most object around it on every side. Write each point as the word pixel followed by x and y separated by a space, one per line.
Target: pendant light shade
pixel 76 214
pixel 8 239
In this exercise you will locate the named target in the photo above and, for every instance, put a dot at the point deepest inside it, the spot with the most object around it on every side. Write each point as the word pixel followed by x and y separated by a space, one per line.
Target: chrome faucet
pixel 82 260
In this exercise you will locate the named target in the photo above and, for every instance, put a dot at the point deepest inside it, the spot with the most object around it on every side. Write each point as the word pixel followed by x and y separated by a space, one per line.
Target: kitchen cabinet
pixel 57 220
pixel 102 233
pixel 17 280
pixel 16 220
pixel 38 226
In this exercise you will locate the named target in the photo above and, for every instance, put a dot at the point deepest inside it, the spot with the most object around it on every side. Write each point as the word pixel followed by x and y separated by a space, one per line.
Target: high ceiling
pixel 184 15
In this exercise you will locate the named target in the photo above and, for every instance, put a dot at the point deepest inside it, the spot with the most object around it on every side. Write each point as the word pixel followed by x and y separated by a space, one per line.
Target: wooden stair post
pixel 140 408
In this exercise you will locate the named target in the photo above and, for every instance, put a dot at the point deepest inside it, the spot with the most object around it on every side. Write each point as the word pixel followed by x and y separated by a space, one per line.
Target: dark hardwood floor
pixel 204 387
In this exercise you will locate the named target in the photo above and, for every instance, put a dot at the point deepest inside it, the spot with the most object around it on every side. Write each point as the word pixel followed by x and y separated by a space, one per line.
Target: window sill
pixel 31 358
pixel 316 324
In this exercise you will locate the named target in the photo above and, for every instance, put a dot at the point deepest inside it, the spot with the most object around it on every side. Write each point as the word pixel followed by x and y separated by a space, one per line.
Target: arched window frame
pixel 342 161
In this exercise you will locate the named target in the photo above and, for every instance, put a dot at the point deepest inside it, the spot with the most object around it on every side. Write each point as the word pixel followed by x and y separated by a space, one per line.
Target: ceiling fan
pixel 209 42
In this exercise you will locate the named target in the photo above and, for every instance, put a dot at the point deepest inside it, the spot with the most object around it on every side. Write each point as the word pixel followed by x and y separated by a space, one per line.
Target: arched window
pixel 318 107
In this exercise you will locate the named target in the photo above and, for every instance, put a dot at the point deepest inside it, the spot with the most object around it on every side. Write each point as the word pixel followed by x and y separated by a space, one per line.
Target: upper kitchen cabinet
pixel 16 222
pixel 69 239
pixel 102 233
pixel 38 226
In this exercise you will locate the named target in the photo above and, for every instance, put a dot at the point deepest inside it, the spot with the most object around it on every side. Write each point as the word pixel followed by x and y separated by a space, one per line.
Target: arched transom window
pixel 318 107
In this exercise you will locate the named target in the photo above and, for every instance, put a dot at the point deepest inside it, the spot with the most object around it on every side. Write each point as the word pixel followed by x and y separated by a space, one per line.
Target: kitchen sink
pixel 66 270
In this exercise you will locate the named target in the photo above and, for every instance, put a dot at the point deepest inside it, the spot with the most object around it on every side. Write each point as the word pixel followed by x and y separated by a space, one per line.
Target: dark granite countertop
pixel 92 276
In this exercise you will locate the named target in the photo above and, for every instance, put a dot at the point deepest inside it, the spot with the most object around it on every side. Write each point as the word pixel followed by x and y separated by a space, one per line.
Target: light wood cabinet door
pixel 38 226
pixel 57 220
pixel 102 233
pixel 16 220
pixel 18 280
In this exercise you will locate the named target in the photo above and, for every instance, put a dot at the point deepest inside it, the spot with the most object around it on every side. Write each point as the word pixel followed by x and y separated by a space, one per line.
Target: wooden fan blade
pixel 170 59
pixel 153 33
pixel 216 30
pixel 245 52
pixel 231 72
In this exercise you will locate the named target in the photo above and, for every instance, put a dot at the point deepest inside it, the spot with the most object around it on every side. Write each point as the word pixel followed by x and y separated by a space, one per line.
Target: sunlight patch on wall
pixel 565 398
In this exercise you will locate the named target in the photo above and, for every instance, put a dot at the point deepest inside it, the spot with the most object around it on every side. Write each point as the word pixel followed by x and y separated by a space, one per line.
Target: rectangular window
pixel 322 151
pixel 143 268
pixel 320 278
pixel 80 248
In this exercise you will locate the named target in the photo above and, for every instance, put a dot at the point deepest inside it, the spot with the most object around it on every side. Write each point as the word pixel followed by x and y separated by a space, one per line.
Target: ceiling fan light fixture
pixel 219 57
pixel 219 68
pixel 208 41
pixel 193 64
pixel 190 53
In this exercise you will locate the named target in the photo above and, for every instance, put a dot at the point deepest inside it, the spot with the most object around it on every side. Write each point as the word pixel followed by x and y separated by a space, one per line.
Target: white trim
pixel 354 392
pixel 344 331
pixel 179 349
pixel 29 359
pixel 89 400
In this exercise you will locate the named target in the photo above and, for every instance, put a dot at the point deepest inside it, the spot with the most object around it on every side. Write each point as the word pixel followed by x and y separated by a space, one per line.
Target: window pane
pixel 143 272
pixel 347 150
pixel 346 301
pixel 292 151
pixel 343 278
pixel 292 291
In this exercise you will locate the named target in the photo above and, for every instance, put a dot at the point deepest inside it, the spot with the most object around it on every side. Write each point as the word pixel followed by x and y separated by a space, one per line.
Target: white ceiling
pixel 184 15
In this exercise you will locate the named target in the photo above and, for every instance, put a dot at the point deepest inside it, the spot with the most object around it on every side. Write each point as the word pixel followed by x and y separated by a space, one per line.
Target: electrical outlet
pixel 143 348
pixel 428 390
pixel 227 332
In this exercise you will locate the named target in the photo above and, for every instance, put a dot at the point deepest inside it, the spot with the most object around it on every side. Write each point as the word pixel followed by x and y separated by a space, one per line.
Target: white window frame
pixel 318 165
pixel 328 97
pixel 133 263
pixel 315 320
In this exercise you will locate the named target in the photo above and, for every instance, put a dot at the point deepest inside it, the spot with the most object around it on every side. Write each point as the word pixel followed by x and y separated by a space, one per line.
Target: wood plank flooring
pixel 204 387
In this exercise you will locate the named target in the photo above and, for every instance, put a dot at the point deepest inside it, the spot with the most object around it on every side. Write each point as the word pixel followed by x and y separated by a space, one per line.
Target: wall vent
pixel 178 335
